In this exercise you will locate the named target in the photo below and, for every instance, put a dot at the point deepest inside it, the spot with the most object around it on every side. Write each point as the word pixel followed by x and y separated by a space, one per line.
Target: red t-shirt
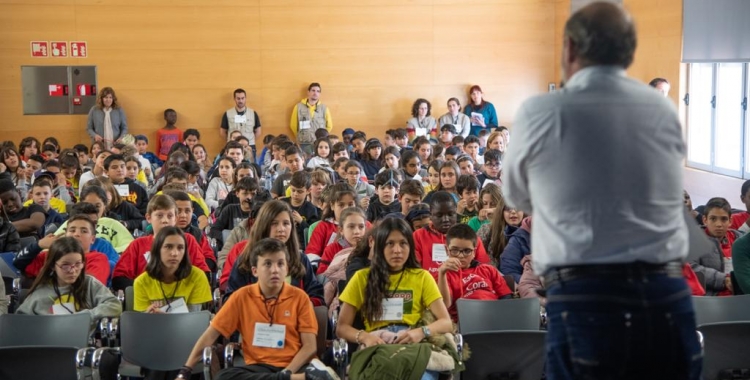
pixel 695 286
pixel 478 282
pixel 426 237
pixel 739 219
pixel 232 256
pixel 97 265
pixel 134 259
pixel 165 138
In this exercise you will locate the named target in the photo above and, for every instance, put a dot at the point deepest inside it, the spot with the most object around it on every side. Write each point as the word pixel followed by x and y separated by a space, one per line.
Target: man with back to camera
pixel 308 116
pixel 609 227
pixel 241 118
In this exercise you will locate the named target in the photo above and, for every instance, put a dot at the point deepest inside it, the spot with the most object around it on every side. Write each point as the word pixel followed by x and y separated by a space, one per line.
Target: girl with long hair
pixel 16 168
pixel 321 157
pixel 495 235
pixel 221 186
pixel 117 208
pixel 62 286
pixel 274 220
pixel 489 198
pixel 392 294
pixel 28 147
pixel 170 283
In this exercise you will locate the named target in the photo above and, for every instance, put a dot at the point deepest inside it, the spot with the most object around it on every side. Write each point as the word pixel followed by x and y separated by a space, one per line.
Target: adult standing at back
pixel 308 116
pixel 481 113
pixel 106 121
pixel 241 118
pixel 609 228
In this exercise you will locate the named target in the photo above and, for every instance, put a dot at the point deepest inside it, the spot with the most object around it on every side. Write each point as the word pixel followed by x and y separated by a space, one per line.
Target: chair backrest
pixel 321 314
pixel 507 314
pixel 724 347
pixel 493 352
pixel 45 330
pixel 38 362
pixel 721 309
pixel 129 299
pixel 160 342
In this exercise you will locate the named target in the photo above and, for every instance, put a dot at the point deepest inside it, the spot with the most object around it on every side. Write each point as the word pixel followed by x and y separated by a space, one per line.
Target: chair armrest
pixel 341 356
pixel 700 339
pixel 81 357
pixel 459 345
pixel 114 326
pixel 96 360
pixel 229 353
pixel 334 321
pixel 208 357
pixel 16 285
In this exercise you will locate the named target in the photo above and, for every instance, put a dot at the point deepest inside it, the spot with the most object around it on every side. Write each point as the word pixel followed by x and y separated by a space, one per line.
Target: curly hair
pixel 417 103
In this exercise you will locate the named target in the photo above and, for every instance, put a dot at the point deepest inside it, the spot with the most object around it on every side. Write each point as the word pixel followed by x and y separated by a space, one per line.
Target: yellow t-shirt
pixel 194 290
pixel 56 204
pixel 417 287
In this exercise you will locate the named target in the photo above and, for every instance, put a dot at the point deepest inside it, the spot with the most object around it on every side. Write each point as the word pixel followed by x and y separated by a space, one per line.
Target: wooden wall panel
pixel 372 57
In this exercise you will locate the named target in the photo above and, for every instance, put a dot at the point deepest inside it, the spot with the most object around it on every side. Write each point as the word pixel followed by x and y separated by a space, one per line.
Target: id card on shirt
pixel 123 190
pixel 271 336
pixel 63 309
pixel 305 124
pixel 393 309
pixel 728 266
pixel 240 119
pixel 176 306
pixel 439 254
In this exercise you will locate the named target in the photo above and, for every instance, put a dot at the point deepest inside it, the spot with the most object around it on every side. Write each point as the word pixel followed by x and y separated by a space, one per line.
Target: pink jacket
pixel 529 281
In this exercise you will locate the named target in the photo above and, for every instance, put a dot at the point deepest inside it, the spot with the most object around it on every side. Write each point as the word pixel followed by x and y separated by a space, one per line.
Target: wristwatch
pixel 426 331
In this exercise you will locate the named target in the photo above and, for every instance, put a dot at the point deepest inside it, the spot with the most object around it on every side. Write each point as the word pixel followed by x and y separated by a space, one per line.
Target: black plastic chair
pixel 721 309
pixel 725 349
pixel 508 314
pixel 38 362
pixel 160 342
pixel 516 355
pixel 45 330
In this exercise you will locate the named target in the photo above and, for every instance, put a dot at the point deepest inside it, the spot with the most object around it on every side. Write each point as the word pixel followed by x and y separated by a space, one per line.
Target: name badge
pixel 147 256
pixel 271 336
pixel 333 238
pixel 487 182
pixel 439 254
pixel 58 309
pixel 305 124
pixel 417 177
pixel 123 190
pixel 728 266
pixel 177 306
pixel 393 309
pixel 240 119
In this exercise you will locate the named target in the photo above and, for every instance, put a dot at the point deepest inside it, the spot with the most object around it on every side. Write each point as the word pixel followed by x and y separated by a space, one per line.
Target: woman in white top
pixel 456 118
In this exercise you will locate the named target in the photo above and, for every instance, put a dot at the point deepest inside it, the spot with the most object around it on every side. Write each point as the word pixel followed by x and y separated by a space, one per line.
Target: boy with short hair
pixel 429 242
pixel 466 165
pixel 34 164
pixel 447 133
pixel 184 222
pixel 167 135
pixel 83 156
pixel 401 138
pixel 717 265
pixel 126 187
pixel 141 143
pixel 467 187
pixel 410 194
pixel 278 341
pixel 353 171
pixel 233 214
pixel 452 153
pixel 161 212
pixel 461 276
pixel 304 213
pixel 28 221
pixel 491 169
pixel 295 162
pixel 359 139
pixel 458 141
pixel 387 187
pixel 177 179
pixel 339 169
pixel 471 147
pixel 346 137
pixel 191 137
pixel 339 150
pixel 41 194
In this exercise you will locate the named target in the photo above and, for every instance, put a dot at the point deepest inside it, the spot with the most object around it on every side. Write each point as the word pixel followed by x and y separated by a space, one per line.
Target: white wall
pixel 702 186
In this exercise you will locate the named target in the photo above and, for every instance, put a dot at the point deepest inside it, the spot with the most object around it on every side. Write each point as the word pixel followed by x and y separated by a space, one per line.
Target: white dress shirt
pixel 599 165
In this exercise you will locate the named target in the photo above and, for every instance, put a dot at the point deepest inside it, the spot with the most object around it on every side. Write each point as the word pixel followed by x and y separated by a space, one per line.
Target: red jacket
pixel 232 256
pixel 739 219
pixel 133 260
pixel 478 282
pixel 97 265
pixel 328 254
pixel 425 237
pixel 320 237
pixel 695 286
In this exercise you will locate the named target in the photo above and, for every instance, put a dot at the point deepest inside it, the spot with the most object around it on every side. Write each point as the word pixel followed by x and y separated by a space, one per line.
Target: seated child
pixel 463 277
pixel 304 213
pixel 387 187
pixel 467 187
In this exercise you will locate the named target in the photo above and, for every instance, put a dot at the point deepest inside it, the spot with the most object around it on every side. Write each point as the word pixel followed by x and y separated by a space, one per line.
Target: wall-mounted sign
pixel 39 48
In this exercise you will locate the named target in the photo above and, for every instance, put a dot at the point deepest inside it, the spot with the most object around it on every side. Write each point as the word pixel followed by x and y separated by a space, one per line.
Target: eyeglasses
pixel 71 267
pixel 493 164
pixel 457 252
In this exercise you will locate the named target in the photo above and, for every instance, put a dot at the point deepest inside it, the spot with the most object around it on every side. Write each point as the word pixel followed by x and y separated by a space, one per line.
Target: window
pixel 718 139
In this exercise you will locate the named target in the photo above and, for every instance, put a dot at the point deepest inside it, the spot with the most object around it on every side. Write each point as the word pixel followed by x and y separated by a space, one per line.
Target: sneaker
pixel 316 370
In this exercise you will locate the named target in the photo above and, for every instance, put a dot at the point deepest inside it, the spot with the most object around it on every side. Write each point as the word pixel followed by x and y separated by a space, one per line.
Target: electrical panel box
pixel 58 90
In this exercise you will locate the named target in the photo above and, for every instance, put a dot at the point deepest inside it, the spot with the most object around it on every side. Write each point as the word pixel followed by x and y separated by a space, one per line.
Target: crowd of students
pixel 403 225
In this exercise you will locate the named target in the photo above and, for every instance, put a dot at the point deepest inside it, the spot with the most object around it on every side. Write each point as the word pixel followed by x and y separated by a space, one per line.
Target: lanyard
pixel 271 309
pixel 161 286
pixel 397 284
pixel 57 292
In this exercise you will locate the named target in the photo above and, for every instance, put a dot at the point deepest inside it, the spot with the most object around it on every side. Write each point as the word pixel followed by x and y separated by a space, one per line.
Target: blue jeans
pixel 428 375
pixel 632 327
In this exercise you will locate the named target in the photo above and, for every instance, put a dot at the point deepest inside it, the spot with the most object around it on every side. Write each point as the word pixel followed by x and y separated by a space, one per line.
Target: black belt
pixel 563 274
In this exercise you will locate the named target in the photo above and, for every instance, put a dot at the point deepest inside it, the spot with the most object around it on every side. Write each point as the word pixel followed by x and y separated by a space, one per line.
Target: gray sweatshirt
pixel 103 302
